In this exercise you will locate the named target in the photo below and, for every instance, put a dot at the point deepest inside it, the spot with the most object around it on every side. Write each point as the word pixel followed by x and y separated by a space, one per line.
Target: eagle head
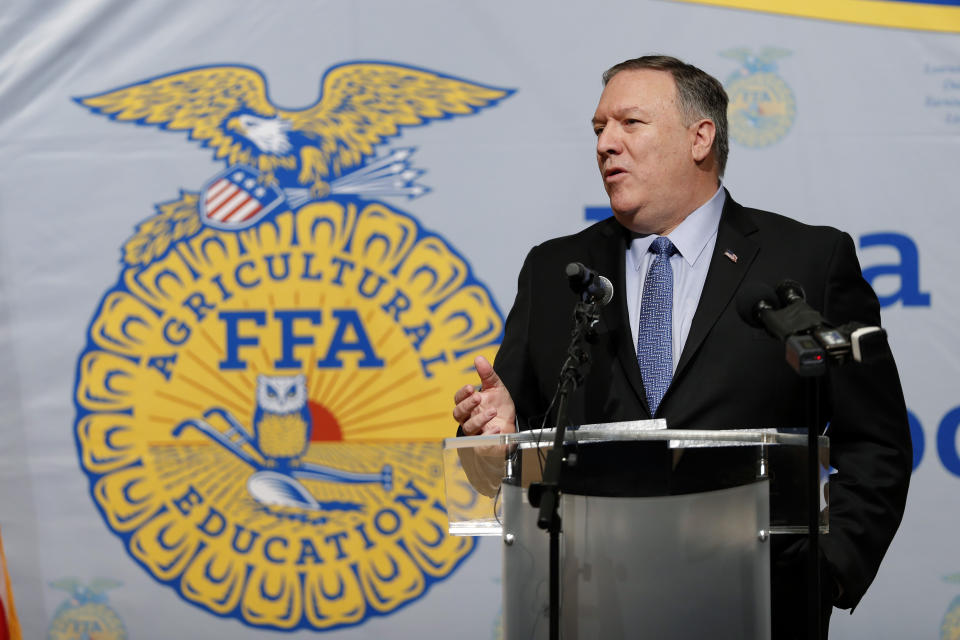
pixel 269 135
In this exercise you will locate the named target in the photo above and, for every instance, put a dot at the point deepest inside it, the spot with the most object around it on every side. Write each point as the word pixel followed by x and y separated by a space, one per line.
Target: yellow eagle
pixel 361 104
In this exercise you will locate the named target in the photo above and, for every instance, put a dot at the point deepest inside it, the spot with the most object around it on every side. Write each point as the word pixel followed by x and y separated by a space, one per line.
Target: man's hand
pixel 488 410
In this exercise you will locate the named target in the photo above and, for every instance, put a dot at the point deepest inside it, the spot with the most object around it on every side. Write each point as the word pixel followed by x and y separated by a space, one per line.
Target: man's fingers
pixel 470 412
pixel 466 407
pixel 488 377
pixel 463 393
pixel 475 425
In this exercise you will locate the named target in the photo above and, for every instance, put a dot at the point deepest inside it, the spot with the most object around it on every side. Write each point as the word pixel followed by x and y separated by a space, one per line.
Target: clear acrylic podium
pixel 680 552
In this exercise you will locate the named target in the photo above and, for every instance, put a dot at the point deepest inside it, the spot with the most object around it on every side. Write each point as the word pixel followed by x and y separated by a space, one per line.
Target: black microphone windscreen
pixel 750 300
pixel 790 291
pixel 589 284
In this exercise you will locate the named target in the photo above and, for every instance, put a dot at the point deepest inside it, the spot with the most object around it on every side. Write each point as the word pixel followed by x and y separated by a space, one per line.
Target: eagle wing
pixel 362 104
pixel 198 101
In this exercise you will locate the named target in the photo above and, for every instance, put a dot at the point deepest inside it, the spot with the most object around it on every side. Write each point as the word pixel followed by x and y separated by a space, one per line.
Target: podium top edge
pixel 641 431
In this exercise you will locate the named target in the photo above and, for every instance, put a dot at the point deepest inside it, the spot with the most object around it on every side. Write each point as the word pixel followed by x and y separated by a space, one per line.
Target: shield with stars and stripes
pixel 237 198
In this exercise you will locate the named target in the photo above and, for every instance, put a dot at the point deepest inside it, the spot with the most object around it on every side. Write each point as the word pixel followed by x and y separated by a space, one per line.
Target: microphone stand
pixel 812 393
pixel 546 494
pixel 809 359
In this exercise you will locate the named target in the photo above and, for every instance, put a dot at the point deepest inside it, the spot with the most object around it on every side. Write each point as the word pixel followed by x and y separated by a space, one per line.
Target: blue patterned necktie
pixel 655 338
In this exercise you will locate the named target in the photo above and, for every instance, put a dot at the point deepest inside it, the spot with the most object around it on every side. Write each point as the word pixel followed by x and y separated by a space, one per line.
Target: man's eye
pixel 597 131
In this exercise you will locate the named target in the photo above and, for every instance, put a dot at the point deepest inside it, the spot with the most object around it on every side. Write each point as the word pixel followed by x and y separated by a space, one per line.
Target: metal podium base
pixel 687 566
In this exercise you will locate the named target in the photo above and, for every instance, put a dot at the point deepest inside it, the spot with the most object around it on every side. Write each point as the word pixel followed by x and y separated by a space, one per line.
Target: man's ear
pixel 703 134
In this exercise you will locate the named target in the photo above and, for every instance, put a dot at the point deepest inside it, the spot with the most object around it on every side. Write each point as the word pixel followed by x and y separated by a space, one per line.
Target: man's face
pixel 644 151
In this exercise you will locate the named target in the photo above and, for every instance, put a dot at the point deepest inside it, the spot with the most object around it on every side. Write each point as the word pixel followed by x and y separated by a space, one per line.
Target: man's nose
pixel 608 142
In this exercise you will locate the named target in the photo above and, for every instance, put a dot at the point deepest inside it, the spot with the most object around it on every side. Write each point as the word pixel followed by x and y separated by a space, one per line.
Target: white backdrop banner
pixel 248 251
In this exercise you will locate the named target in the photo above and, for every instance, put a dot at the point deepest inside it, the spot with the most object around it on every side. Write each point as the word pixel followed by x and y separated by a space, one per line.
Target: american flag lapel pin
pixel 730 254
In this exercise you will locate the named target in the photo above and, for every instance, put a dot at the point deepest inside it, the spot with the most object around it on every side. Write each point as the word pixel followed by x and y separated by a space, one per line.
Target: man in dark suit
pixel 661 149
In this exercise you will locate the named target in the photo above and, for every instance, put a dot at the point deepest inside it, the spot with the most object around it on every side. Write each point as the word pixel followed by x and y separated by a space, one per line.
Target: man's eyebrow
pixel 621 112
pixel 634 110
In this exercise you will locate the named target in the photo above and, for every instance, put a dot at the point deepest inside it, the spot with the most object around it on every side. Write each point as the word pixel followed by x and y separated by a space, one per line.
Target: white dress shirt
pixel 695 240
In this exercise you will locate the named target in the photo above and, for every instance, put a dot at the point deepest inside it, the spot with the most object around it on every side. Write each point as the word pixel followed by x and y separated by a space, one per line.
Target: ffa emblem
pixel 86 613
pixel 762 107
pixel 263 391
pixel 235 199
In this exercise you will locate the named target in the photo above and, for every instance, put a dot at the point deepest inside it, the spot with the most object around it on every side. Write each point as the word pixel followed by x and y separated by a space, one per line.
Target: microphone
pixel 864 343
pixel 790 292
pixel 591 286
pixel 754 301
pixel 785 315
pixel 759 306
pixel 803 317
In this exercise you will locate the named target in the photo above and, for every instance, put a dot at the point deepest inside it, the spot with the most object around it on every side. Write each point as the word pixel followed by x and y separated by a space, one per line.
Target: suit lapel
pixel 723 279
pixel 732 256
pixel 610 258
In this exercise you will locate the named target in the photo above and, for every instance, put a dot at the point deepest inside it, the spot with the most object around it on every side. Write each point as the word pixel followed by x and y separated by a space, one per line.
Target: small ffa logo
pixel 86 615
pixel 950 627
pixel 762 107
pixel 263 391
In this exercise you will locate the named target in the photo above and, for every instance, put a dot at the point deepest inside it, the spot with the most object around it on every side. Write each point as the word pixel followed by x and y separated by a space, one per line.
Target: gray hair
pixel 699 96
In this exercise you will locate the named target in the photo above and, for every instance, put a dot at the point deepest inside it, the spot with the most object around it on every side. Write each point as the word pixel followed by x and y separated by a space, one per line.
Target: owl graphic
pixel 279 438
pixel 281 421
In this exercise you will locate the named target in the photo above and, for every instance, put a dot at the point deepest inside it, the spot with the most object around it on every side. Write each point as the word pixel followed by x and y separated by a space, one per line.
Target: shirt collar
pixel 691 236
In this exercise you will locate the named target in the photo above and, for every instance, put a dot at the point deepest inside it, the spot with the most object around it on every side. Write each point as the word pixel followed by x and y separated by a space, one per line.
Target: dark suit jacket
pixel 731 375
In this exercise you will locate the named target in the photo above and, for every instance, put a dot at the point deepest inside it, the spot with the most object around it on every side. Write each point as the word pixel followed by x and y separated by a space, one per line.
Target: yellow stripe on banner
pixel 6 599
pixel 905 15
